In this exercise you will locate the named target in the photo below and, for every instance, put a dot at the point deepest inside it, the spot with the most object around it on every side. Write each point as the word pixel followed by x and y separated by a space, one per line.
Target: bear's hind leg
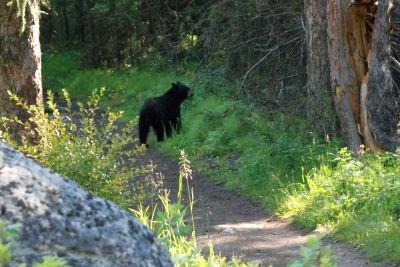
pixel 144 128
pixel 168 128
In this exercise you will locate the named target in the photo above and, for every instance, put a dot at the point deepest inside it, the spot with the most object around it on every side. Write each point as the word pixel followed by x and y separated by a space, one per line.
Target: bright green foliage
pixel 314 255
pixel 5 254
pixel 125 89
pixel 358 198
pixel 52 262
pixel 8 233
pixel 82 143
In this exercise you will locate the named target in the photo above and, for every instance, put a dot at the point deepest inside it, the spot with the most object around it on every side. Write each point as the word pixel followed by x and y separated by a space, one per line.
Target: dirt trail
pixel 238 227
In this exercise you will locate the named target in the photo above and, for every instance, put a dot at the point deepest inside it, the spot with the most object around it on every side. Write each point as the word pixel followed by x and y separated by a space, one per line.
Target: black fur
pixel 163 113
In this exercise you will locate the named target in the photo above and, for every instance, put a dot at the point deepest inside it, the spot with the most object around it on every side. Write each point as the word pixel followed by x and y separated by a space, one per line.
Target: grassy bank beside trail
pixel 270 157
pixel 356 200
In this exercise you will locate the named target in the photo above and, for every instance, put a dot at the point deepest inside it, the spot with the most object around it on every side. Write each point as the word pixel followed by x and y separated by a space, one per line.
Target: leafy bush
pixel 7 234
pixel 83 143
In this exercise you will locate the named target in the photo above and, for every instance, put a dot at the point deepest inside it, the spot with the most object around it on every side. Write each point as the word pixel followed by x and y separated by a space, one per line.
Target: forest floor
pixel 236 226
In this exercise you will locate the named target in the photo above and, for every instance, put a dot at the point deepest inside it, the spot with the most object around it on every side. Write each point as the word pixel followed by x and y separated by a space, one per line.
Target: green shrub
pixel 7 235
pixel 83 143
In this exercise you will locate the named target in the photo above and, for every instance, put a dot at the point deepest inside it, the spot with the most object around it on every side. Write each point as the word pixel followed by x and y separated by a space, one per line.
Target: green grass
pixel 125 89
pixel 268 156
pixel 255 153
pixel 358 199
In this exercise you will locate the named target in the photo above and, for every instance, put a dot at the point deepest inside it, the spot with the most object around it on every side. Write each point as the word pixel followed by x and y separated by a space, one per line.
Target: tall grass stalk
pixel 168 221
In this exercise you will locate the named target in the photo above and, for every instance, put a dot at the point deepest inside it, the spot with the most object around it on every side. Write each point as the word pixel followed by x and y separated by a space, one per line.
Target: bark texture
pixel 381 100
pixel 320 109
pixel 343 82
pixel 20 57
pixel 358 56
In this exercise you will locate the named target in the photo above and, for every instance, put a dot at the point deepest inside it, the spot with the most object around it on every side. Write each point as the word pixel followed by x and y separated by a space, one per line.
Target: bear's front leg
pixel 158 128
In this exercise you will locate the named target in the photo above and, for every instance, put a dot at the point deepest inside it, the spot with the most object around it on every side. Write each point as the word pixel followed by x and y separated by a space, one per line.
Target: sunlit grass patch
pixel 125 89
pixel 358 198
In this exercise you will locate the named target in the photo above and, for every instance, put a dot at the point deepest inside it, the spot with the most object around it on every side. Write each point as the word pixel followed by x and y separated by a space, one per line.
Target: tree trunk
pixel 358 46
pixel 320 109
pixel 380 99
pixel 20 58
pixel 66 21
pixel 81 9
pixel 343 70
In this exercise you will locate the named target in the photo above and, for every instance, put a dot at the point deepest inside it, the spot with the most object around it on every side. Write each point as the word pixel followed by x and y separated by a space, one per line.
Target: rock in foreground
pixel 60 218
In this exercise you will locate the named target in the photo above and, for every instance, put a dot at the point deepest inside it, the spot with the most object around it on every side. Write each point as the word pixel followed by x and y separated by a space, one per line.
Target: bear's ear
pixel 174 85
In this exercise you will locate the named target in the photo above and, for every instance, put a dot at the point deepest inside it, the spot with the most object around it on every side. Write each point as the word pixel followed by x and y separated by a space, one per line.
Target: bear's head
pixel 179 92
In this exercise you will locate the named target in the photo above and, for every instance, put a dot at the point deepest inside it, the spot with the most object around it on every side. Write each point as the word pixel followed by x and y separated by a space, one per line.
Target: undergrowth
pixel 254 153
pixel 101 159
pixel 314 254
pixel 269 156
pixel 249 149
pixel 82 143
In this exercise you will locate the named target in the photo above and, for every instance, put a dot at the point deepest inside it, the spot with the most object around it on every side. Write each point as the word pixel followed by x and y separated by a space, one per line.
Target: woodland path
pixel 236 226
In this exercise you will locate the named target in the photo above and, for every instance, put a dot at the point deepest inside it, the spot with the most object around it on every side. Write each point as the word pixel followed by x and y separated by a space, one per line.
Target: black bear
pixel 163 112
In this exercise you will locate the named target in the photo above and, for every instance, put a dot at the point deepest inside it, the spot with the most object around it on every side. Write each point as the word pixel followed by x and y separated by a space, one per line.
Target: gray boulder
pixel 60 218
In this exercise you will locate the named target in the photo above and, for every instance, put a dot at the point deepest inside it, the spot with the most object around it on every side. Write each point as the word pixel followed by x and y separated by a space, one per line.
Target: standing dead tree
pixel 355 36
